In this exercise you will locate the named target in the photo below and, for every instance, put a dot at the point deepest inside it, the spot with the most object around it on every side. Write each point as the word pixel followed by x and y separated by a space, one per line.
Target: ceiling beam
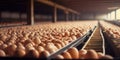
pixel 50 3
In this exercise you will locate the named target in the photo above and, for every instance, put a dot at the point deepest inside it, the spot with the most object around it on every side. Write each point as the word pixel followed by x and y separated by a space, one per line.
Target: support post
pixel 55 14
pixel 115 15
pixel 0 17
pixel 67 15
pixel 30 13
pixel 73 17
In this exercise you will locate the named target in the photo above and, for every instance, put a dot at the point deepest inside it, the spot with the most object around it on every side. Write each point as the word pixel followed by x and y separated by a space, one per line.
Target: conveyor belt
pixel 96 41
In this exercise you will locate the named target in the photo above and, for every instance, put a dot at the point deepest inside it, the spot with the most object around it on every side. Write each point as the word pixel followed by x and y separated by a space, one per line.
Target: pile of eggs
pixel 110 29
pixel 73 53
pixel 40 40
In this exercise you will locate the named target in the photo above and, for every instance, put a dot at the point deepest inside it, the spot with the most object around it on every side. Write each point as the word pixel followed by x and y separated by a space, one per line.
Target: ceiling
pixel 100 6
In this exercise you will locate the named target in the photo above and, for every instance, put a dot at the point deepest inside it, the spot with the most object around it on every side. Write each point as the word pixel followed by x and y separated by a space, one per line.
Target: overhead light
pixel 112 8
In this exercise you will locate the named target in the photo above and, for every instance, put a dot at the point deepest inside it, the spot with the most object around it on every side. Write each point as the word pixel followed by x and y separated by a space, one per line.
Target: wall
pixel 93 16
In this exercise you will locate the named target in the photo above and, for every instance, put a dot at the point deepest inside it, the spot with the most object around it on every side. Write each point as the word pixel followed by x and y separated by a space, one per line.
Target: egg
pixel 42 44
pixel 67 33
pixel 74 37
pixel 58 45
pixel 66 55
pixel 106 57
pixel 30 48
pixel 82 53
pixel 3 46
pixel 62 44
pixel 11 49
pixel 4 37
pixel 2 53
pixel 21 47
pixel 33 53
pixel 50 48
pixel 40 49
pixel 59 57
pixel 65 42
pixel 44 54
pixel 1 42
pixel 91 54
pixel 100 54
pixel 73 52
pixel 20 52
pixel 27 42
pixel 37 40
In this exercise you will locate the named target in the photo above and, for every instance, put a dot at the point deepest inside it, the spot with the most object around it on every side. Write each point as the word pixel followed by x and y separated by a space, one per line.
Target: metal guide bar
pixel 103 46
pixel 89 38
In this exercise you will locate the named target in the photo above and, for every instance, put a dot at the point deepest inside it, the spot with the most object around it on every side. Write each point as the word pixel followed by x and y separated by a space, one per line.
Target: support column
pixel 67 15
pixel 0 17
pixel 30 13
pixel 55 14
pixel 72 17
pixel 94 16
pixel 115 15
pixel 77 17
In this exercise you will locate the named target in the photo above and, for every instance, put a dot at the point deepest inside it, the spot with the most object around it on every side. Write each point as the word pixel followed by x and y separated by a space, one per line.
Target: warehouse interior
pixel 56 29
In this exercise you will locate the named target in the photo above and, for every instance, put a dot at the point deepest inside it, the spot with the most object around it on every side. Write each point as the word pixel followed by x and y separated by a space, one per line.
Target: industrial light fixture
pixel 112 8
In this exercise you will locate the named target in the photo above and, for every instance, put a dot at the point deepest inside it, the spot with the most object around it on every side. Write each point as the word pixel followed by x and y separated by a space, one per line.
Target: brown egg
pixel 67 33
pixel 66 55
pixel 33 53
pixel 73 52
pixel 37 40
pixel 65 42
pixel 4 37
pixel 58 45
pixel 34 44
pixel 79 35
pixel 74 37
pixel 82 53
pixel 42 44
pixel 106 57
pixel 62 43
pixel 100 54
pixel 2 53
pixel 50 48
pixel 21 47
pixel 91 54
pixel 20 52
pixel 9 43
pixel 44 54
pixel 3 46
pixel 40 49
pixel 11 49
pixel 1 42
pixel 19 44
pixel 27 42
pixel 30 48
pixel 59 57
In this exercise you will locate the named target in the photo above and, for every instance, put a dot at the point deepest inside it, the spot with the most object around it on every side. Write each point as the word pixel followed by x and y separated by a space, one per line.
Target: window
pixel 113 15
pixel 118 14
